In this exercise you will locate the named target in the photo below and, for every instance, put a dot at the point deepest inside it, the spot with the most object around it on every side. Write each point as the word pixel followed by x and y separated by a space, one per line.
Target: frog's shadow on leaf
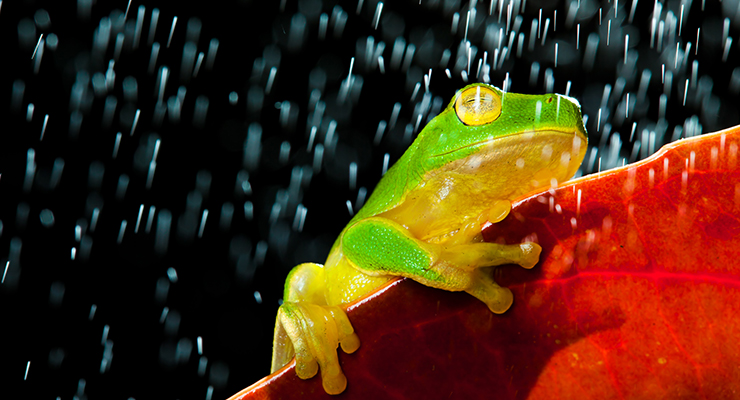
pixel 519 334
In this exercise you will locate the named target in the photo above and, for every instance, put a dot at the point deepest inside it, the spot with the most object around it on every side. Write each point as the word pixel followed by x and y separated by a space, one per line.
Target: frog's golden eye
pixel 478 105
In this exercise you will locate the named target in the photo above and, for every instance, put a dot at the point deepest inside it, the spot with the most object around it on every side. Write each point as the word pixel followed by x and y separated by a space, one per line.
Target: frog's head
pixel 531 140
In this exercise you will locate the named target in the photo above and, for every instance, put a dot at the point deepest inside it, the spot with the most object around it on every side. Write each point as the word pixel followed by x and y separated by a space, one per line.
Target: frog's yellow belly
pixel 435 212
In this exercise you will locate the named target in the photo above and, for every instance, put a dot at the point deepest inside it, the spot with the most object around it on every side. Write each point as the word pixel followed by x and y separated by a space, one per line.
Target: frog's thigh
pixel 378 246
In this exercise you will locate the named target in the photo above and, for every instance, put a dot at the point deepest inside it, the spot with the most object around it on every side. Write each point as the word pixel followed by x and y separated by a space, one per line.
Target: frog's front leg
pixel 379 246
pixel 470 231
pixel 312 330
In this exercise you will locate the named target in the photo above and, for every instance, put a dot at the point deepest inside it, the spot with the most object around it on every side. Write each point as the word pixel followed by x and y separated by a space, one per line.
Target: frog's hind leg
pixel 311 330
pixel 388 249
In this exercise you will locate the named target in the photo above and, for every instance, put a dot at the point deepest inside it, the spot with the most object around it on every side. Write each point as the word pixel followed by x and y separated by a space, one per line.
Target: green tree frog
pixel 424 219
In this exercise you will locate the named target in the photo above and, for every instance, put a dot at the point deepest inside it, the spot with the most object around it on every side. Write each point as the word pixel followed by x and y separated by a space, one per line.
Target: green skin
pixel 423 221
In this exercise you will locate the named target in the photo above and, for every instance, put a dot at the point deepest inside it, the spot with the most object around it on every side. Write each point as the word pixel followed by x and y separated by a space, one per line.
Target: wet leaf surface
pixel 637 295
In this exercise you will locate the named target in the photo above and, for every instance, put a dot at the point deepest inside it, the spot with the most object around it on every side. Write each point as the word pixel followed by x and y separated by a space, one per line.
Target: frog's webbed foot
pixel 315 332
pixel 466 267
pixel 466 257
pixel 488 254
pixel 312 332
pixel 469 254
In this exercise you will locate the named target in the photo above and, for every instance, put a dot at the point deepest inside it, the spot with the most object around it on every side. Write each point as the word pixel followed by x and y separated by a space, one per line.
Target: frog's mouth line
pixel 537 133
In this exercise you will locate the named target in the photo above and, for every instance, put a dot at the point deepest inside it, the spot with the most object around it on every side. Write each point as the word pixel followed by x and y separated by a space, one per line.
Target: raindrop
pixel 47 218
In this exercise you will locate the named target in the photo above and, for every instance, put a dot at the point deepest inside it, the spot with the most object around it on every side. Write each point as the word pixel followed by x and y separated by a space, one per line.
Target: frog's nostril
pixel 549 100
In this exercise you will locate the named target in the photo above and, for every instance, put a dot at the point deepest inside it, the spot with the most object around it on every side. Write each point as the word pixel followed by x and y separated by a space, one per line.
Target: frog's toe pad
pixel 530 254
pixel 350 344
pixel 333 380
pixel 306 368
pixel 500 300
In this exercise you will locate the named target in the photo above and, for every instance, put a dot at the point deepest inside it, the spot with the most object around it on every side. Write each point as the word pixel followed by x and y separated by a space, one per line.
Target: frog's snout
pixel 572 100
pixel 580 129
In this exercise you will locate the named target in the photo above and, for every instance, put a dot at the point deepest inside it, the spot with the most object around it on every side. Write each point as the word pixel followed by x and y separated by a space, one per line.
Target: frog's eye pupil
pixel 478 105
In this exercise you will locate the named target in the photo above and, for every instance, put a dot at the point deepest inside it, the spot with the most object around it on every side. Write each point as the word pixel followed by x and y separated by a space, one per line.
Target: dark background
pixel 152 302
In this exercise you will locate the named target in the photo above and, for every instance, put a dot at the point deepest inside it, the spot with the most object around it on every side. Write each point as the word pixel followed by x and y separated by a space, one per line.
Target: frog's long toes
pixel 530 254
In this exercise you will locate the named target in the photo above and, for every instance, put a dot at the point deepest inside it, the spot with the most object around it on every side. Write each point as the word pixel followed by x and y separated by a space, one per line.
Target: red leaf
pixel 637 295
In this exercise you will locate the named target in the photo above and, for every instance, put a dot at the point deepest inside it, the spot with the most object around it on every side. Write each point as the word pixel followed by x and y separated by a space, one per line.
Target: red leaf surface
pixel 637 295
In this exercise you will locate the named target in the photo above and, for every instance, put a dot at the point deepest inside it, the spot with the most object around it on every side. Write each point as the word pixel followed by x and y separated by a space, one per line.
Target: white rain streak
pixel 203 219
pixel 5 272
pixel 138 218
pixel 172 31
